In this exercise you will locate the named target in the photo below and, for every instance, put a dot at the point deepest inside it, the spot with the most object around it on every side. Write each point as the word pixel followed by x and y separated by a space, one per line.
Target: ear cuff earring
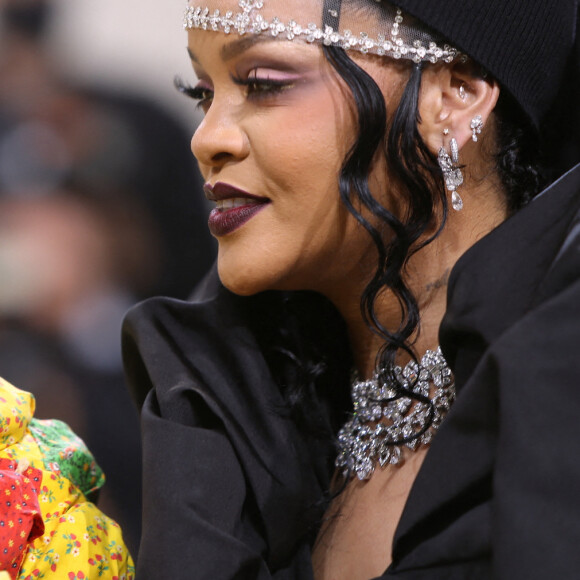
pixel 476 127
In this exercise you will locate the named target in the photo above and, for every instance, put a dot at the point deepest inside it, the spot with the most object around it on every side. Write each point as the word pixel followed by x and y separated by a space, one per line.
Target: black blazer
pixel 232 488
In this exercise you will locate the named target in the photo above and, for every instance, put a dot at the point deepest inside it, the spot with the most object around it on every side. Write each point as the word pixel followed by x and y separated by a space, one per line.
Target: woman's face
pixel 278 124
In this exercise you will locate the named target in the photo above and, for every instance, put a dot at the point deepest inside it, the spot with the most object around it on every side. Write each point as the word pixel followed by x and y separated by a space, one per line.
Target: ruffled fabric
pixel 20 519
pixel 50 472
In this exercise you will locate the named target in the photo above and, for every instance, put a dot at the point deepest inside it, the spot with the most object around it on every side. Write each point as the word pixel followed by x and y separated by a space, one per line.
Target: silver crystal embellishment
pixel 368 438
pixel 249 20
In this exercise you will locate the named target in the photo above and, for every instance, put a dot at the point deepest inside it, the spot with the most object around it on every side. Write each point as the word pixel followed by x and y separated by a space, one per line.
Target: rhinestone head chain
pixel 384 421
pixel 249 19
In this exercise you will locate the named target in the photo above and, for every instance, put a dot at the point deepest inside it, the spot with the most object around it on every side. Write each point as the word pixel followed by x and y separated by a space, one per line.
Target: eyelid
pixel 261 81
pixel 265 73
pixel 262 89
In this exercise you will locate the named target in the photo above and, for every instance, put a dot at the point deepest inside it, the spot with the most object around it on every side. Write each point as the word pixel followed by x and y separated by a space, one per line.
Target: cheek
pixel 303 146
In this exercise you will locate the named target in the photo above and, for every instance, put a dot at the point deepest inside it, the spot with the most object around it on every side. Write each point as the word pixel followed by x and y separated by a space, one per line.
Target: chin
pixel 251 271
pixel 246 281
pixel 241 281
pixel 240 289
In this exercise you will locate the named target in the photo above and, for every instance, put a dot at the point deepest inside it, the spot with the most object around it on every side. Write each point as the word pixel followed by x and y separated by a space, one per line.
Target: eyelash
pixel 257 88
pixel 199 94
pixel 261 87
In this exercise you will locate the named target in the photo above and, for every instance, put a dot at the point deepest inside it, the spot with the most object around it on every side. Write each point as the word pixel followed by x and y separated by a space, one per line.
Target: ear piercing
pixel 476 127
pixel 462 93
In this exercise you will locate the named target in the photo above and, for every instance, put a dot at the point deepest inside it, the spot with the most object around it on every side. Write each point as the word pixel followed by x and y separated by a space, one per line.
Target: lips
pixel 234 207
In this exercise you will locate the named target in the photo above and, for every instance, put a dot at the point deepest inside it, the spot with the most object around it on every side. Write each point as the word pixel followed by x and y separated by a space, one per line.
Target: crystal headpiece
pixel 368 26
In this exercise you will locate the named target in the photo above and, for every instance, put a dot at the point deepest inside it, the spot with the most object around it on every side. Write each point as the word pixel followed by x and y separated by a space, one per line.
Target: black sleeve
pixel 230 490
pixel 197 522
pixel 536 507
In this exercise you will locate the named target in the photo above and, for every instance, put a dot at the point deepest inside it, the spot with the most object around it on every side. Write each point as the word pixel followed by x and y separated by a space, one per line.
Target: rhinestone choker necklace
pixel 385 420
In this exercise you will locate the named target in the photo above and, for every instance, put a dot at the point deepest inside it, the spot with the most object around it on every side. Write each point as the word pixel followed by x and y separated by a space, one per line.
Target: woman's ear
pixel 452 99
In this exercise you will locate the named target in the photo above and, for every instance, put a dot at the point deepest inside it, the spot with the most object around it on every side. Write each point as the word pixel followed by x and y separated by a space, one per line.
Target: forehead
pixel 203 46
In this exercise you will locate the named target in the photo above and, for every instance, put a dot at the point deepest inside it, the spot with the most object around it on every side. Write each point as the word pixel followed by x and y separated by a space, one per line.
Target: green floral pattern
pixel 66 452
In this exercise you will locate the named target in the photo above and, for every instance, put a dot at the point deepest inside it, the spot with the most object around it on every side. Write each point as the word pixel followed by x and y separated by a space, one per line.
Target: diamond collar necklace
pixel 391 415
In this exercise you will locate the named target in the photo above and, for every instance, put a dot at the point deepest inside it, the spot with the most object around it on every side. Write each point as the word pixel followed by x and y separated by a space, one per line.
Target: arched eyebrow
pixel 238 46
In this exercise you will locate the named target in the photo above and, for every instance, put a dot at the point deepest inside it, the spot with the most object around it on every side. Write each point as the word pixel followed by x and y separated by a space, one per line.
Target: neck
pixel 366 344
pixel 426 275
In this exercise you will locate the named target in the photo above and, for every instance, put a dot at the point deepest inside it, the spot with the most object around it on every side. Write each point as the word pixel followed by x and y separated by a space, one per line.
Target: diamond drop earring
pixel 451 173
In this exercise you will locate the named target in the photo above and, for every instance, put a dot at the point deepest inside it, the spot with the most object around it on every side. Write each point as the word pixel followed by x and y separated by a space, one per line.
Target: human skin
pixel 278 125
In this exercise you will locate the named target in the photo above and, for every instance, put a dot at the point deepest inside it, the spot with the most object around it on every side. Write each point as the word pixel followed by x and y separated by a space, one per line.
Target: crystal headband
pixel 249 20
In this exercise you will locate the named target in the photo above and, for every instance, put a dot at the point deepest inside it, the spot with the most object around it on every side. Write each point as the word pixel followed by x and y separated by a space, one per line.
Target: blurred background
pixel 100 207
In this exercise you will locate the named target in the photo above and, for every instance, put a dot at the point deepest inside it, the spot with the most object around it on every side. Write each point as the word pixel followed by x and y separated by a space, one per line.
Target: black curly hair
pixel 421 183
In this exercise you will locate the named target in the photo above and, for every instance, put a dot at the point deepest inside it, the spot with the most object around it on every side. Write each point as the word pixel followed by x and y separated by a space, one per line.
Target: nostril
pixel 222 156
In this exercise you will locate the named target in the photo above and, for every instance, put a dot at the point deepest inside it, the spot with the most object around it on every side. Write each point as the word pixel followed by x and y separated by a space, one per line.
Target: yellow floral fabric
pixel 79 541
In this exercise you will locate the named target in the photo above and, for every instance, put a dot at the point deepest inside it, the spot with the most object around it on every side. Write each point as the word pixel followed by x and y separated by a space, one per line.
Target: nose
pixel 219 138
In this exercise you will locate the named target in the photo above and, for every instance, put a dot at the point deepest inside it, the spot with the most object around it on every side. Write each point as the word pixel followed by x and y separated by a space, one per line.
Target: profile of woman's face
pixel 278 124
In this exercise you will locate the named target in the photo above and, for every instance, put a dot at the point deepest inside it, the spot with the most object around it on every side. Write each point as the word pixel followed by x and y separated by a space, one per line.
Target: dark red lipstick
pixel 234 207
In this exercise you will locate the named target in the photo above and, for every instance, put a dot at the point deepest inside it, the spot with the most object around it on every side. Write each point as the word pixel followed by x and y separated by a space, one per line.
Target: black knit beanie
pixel 527 45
